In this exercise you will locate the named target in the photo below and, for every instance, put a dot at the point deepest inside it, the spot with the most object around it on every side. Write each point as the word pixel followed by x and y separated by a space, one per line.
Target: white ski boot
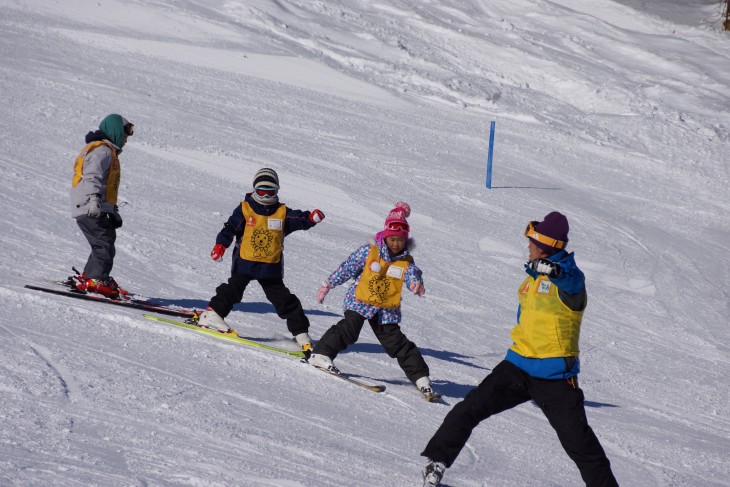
pixel 323 362
pixel 304 341
pixel 212 320
pixel 424 385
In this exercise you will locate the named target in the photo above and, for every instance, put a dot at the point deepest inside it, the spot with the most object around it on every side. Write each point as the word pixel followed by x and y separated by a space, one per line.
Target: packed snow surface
pixel 613 112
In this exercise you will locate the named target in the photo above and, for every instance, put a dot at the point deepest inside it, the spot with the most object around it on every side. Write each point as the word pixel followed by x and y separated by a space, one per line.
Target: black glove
pixel 545 267
pixel 115 219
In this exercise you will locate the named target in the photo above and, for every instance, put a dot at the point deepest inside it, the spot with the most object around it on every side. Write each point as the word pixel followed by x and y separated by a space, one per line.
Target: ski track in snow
pixel 613 112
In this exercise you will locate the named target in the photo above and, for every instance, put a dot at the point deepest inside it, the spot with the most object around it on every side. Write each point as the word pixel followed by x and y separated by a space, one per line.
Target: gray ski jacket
pixel 92 174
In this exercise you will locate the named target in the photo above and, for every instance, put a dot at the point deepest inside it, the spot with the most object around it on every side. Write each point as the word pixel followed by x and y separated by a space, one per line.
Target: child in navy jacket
pixel 259 225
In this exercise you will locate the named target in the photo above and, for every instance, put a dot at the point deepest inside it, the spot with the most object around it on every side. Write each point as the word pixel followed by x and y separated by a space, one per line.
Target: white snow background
pixel 612 112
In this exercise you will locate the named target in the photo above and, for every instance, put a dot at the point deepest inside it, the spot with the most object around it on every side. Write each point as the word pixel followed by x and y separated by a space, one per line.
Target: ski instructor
pixel 541 365
pixel 94 190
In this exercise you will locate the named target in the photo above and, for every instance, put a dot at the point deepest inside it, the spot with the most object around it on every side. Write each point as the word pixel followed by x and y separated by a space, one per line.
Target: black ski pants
pixel 101 235
pixel 508 386
pixel 394 341
pixel 287 305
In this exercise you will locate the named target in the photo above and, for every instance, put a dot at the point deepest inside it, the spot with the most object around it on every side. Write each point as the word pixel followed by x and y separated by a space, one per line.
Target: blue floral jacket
pixel 352 269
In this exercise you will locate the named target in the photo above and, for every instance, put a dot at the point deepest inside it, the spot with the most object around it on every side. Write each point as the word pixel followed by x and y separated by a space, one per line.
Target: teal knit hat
pixel 113 127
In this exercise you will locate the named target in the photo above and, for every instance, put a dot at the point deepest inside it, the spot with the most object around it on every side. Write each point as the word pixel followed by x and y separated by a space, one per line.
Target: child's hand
pixel 316 216
pixel 323 290
pixel 417 288
pixel 217 253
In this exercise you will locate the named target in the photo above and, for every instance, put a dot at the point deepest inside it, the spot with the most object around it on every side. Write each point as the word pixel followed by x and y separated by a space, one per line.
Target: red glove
pixel 316 216
pixel 217 253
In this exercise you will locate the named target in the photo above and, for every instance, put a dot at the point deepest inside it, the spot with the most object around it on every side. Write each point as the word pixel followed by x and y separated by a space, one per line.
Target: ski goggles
pixel 398 227
pixel 266 193
pixel 129 129
pixel 530 232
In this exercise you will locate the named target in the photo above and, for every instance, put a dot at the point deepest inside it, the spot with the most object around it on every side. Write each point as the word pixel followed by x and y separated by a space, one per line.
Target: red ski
pixel 129 303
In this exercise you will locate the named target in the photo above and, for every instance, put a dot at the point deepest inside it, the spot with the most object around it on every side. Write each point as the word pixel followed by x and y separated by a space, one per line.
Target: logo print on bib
pixel 261 241
pixel 378 287
pixel 250 221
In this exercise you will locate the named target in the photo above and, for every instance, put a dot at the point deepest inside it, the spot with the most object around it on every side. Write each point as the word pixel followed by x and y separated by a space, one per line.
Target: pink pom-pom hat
pixel 396 223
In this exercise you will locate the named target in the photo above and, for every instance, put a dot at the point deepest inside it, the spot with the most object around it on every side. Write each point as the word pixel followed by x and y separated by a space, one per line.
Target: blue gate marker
pixel 489 156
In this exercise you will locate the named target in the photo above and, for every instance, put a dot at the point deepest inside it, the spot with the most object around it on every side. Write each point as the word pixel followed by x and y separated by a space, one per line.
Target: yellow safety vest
pixel 263 236
pixel 113 178
pixel 382 288
pixel 547 328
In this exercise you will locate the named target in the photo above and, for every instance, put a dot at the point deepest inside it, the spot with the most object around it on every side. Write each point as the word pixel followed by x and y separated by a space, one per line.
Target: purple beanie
pixel 555 226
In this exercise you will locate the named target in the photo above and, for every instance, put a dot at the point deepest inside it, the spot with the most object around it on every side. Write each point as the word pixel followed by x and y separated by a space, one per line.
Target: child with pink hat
pixel 381 270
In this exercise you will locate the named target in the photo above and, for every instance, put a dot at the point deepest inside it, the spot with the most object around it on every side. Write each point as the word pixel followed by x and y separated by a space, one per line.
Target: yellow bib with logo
pixel 382 288
pixel 263 236
pixel 547 327
pixel 112 179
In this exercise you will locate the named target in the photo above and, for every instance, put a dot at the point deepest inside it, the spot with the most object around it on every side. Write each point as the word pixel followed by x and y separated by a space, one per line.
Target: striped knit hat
pixel 265 178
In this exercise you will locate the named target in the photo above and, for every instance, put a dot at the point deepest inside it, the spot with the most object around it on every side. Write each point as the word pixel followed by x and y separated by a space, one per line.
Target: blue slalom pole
pixel 489 155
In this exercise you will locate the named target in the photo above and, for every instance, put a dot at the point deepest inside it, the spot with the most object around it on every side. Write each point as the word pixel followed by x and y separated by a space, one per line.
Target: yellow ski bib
pixel 263 236
pixel 382 287
pixel 547 327
pixel 113 178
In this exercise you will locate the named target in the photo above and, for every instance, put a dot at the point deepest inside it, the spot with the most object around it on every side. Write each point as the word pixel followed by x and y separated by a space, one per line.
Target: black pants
pixel 507 386
pixel 390 336
pixel 101 235
pixel 287 305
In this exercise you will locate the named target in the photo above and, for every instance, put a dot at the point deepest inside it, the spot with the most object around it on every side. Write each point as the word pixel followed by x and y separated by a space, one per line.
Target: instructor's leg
pixel 503 389
pixel 562 403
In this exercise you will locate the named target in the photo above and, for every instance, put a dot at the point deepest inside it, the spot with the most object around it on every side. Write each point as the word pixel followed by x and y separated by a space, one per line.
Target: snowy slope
pixel 612 112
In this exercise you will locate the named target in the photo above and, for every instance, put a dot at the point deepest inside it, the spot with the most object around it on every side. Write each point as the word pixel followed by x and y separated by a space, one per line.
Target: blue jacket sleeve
pixel 571 279
pixel 350 268
pixel 297 220
pixel 232 229
pixel 413 274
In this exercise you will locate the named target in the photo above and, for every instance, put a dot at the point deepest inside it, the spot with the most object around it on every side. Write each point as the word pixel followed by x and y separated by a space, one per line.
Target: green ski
pixel 231 336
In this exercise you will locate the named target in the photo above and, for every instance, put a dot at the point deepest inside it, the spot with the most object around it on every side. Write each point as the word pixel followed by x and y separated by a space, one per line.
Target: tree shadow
pixel 439 354
pixel 264 308
pixel 254 307
pixel 593 404
pixel 525 187
pixel 196 304
pixel 444 387
pixel 452 357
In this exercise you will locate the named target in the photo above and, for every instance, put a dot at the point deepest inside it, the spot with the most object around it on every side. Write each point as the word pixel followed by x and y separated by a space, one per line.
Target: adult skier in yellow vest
pixel 542 365
pixel 381 270
pixel 259 225
pixel 94 192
